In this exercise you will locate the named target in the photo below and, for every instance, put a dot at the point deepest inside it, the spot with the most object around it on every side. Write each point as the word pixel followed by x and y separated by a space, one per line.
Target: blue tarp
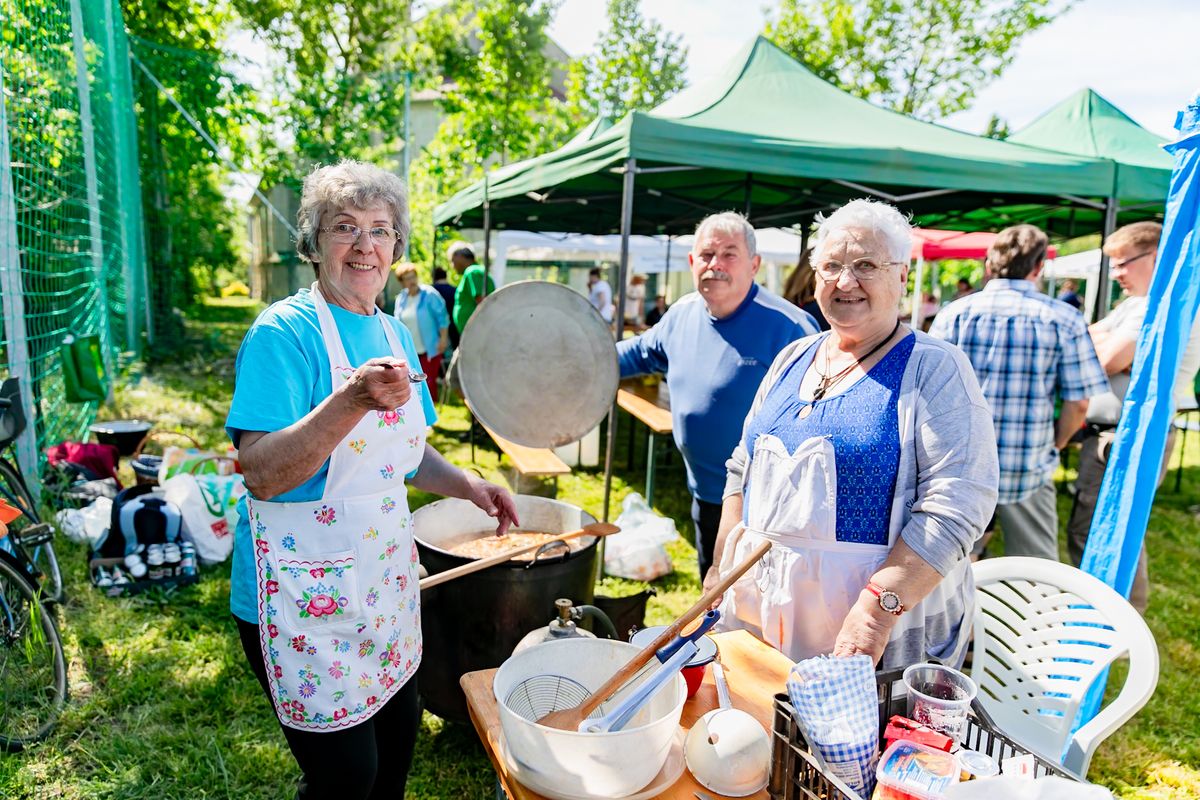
pixel 1123 508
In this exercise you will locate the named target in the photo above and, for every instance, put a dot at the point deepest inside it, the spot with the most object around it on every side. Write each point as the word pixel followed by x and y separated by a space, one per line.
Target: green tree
pixel 341 78
pixel 192 229
pixel 927 58
pixel 498 99
pixel 635 65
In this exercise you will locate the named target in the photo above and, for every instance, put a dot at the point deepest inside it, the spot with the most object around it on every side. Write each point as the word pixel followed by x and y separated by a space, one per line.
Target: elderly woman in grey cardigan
pixel 868 458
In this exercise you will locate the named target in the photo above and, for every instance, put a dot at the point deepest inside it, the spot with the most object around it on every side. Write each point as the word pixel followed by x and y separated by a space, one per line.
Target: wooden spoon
pixel 595 529
pixel 569 719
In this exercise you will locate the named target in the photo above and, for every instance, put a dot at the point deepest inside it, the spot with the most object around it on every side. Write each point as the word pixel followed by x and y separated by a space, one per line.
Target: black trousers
pixel 707 518
pixel 368 761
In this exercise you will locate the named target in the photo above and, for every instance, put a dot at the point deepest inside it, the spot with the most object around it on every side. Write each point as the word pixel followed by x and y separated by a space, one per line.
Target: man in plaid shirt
pixel 1027 349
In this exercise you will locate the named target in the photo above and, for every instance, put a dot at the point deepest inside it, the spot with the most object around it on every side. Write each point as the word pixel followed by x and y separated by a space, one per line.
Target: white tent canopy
pixel 648 255
pixel 1081 266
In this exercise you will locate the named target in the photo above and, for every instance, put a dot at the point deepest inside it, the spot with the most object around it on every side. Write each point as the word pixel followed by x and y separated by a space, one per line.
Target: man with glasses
pixel 1027 350
pixel 715 346
pixel 1132 252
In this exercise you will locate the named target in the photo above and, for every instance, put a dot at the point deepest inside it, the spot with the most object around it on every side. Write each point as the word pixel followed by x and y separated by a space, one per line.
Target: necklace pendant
pixel 805 411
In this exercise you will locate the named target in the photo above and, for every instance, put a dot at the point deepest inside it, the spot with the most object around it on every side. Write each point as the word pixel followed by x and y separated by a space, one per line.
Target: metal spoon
pixel 413 377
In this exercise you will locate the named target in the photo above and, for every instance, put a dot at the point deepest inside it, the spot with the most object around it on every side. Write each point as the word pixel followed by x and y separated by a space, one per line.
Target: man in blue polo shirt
pixel 715 347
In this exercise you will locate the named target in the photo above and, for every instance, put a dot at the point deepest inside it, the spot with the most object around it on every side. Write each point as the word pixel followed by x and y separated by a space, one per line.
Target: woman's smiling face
pixel 353 273
pixel 853 305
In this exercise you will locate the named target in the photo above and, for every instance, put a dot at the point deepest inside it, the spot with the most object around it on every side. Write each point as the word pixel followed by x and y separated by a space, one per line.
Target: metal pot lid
pixel 537 364
pixel 706 647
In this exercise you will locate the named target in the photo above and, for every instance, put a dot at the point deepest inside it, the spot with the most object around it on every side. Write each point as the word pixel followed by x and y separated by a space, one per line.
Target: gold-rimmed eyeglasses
pixel 345 233
pixel 863 270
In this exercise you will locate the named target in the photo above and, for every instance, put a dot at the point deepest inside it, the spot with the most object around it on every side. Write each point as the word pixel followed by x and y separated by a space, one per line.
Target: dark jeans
pixel 707 518
pixel 368 761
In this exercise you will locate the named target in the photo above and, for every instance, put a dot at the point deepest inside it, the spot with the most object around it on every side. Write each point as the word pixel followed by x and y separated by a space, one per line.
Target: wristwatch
pixel 889 601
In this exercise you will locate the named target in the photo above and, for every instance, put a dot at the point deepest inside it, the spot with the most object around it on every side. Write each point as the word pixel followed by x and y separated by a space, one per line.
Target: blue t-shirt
pixel 283 374
pixel 713 368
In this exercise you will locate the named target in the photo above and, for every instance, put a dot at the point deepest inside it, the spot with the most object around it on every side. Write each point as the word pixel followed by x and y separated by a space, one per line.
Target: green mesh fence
pixel 72 253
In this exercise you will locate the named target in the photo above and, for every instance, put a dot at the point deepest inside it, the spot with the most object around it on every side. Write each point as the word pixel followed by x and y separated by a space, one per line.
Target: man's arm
pixel 1070 418
pixel 645 354
pixel 1114 350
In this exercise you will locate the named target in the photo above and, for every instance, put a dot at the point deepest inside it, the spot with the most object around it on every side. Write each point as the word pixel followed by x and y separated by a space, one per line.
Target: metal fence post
pixel 12 301
pixel 88 138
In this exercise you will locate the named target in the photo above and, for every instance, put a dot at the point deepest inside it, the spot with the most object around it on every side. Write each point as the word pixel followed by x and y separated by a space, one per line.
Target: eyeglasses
pixel 863 270
pixel 345 233
pixel 1126 262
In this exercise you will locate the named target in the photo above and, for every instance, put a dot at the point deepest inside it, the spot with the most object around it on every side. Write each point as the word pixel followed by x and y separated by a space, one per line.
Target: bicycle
pixel 29 541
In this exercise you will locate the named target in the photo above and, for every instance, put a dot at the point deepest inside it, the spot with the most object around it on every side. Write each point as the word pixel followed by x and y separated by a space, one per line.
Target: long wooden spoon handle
pixel 626 672
pixel 596 529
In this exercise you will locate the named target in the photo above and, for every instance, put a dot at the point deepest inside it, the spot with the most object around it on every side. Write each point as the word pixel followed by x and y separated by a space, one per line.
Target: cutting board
pixel 754 671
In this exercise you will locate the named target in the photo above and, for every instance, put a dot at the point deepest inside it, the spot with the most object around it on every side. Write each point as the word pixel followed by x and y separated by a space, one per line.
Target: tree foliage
pixel 341 80
pixel 636 65
pixel 497 96
pixel 927 58
pixel 192 229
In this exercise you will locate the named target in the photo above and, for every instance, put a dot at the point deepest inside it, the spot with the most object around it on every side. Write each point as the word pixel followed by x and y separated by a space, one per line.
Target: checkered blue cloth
pixel 837 704
pixel 1027 349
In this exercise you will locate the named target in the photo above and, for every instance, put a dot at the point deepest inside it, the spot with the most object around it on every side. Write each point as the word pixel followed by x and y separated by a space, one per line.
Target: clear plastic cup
pixel 939 697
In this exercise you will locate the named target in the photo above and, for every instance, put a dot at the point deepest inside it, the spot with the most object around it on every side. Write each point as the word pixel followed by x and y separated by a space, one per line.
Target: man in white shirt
pixel 600 294
pixel 1132 252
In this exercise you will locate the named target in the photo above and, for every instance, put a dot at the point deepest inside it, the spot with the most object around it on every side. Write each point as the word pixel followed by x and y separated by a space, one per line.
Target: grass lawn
pixel 163 706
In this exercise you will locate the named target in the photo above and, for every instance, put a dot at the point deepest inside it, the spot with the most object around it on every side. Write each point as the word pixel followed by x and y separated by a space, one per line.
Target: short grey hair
pixel 731 223
pixel 349 183
pixel 884 220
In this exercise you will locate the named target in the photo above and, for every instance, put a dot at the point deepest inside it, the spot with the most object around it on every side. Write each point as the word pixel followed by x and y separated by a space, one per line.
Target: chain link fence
pixel 72 241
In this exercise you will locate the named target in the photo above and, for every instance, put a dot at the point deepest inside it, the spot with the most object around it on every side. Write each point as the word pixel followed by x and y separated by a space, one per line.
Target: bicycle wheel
pixel 33 668
pixel 38 549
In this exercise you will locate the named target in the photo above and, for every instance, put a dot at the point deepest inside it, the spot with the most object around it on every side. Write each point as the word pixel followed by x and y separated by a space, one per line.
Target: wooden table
pixel 755 673
pixel 648 405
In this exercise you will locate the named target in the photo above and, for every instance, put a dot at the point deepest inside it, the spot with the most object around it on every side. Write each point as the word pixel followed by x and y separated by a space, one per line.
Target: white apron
pixel 338 595
pixel 799 594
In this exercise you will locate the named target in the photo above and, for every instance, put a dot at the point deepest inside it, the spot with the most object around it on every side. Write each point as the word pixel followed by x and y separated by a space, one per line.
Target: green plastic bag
pixel 83 369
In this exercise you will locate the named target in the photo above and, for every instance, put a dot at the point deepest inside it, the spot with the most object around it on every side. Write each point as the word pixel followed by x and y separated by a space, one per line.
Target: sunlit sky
pixel 1141 55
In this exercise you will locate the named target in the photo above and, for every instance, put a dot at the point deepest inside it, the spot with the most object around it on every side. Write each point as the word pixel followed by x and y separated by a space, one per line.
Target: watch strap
pixel 889 601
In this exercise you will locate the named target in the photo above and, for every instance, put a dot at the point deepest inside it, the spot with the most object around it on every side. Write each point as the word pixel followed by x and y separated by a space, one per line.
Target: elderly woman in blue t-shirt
pixel 329 426
pixel 868 458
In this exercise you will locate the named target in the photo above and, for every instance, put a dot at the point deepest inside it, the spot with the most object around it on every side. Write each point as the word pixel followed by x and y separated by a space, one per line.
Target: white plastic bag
pixel 88 524
pixel 638 551
pixel 208 504
pixel 1048 787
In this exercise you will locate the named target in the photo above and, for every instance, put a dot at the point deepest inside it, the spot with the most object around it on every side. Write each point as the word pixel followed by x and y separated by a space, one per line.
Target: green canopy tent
pixel 768 138
pixel 1086 124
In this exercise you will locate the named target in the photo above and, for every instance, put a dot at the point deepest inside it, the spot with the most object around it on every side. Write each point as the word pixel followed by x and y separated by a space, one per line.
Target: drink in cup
pixel 939 697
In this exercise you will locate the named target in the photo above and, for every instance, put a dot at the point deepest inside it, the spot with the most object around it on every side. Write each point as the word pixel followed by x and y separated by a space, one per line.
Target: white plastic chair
pixel 1043 632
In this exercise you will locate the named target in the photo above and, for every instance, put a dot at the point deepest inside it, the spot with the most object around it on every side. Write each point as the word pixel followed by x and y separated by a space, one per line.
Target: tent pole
pixel 487 236
pixel 918 296
pixel 626 224
pixel 1104 297
pixel 749 194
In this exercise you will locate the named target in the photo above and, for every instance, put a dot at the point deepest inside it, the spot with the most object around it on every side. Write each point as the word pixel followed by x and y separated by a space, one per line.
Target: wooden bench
pixel 530 462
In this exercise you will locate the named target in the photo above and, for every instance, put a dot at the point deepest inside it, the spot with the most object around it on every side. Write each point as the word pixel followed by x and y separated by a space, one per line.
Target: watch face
pixel 890 602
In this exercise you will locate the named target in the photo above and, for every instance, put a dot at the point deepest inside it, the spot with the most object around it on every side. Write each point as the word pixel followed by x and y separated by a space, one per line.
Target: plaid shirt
pixel 1026 349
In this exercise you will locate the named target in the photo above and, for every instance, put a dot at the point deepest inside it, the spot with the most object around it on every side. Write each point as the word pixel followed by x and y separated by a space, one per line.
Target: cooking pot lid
pixel 705 646
pixel 537 364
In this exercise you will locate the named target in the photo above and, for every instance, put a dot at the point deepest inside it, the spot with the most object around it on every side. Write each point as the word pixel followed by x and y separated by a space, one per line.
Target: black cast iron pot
pixel 474 622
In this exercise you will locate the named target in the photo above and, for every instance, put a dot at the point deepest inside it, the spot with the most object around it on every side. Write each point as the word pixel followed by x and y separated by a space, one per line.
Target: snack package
pixel 902 728
pixel 912 771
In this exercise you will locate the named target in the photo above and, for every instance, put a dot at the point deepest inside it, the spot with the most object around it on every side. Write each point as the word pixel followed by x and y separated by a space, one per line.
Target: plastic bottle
pixel 187 563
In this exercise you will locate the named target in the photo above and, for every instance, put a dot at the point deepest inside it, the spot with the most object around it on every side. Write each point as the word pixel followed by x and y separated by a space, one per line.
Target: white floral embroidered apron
pixel 797 597
pixel 338 594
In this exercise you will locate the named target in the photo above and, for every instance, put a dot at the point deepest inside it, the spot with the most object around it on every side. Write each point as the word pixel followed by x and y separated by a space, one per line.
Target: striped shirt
pixel 1027 349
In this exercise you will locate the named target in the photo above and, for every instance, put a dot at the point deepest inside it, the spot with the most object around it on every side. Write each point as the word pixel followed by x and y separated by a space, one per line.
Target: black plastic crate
pixel 796 774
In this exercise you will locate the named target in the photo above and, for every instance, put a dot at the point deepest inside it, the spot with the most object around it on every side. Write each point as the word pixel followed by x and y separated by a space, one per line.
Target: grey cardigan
pixel 946 484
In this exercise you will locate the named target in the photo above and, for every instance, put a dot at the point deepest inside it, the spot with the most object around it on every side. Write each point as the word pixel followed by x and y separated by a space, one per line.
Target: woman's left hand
pixel 495 502
pixel 866 629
